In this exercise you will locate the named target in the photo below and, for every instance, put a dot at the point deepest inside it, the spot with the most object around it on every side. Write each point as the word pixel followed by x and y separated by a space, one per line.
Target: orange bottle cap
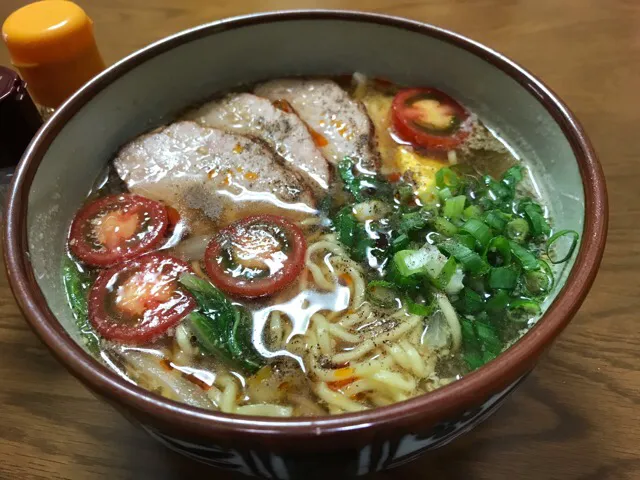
pixel 47 38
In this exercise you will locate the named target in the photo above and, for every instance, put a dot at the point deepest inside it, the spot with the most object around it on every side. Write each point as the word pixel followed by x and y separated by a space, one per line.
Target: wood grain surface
pixel 576 417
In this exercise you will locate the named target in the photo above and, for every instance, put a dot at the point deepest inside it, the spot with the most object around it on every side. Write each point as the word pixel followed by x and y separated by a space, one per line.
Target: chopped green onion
pixel 488 337
pixel 454 206
pixel 401 242
pixel 504 277
pixel 472 211
pixel 445 193
pixel 498 302
pixel 444 277
pixel 479 230
pixel 472 349
pixel 446 178
pixel 557 236
pixel 445 227
pixel 517 229
pixel 470 260
pixel 524 256
pixel 382 293
pixel 498 245
pixel 470 302
pixel 466 239
pixel 409 262
pixel 539 281
pixel 501 191
pixel 525 304
pixel 496 219
pixel 513 176
pixel 535 216
pixel 402 282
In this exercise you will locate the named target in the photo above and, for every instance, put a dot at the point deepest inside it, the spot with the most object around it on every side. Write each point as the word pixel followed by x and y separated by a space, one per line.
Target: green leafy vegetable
pixel 482 225
pixel 221 328
pixel 346 226
pixel 77 283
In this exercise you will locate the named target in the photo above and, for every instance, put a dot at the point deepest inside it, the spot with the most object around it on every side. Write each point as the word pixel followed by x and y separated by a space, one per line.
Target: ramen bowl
pixel 153 85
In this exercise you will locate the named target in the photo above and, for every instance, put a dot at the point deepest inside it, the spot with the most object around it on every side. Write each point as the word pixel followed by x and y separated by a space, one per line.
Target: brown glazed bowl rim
pixel 469 391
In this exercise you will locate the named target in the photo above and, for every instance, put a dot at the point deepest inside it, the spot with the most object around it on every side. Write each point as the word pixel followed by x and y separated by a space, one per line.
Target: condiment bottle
pixel 19 122
pixel 52 45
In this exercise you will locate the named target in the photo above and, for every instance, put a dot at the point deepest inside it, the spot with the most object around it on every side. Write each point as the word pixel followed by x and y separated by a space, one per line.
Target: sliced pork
pixel 208 174
pixel 330 111
pixel 283 131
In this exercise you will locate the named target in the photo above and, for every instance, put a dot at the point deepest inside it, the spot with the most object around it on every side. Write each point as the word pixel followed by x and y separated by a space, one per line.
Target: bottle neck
pixel 19 118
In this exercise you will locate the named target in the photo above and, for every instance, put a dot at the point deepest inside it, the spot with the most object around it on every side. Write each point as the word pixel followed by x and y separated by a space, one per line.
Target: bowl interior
pixel 153 87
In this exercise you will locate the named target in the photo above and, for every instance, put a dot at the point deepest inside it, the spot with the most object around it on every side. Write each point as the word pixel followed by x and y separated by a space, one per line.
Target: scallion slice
pixel 539 281
pixel 446 178
pixel 525 304
pixel 445 227
pixel 470 302
pixel 517 229
pixel 470 260
pixel 498 252
pixel 479 230
pixel 496 219
pixel 504 277
pixel 524 256
pixel 472 211
pixel 444 277
pixel 573 235
pixel 454 206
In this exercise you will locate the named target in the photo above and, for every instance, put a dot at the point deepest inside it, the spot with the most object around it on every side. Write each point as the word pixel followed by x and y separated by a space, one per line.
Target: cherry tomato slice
pixel 136 302
pixel 256 256
pixel 116 228
pixel 429 118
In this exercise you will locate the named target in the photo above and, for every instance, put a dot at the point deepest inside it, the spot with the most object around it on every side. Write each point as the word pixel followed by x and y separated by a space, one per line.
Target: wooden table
pixel 576 417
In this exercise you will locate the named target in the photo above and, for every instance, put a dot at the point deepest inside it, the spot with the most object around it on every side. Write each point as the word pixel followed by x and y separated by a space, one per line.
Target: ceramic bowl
pixel 149 87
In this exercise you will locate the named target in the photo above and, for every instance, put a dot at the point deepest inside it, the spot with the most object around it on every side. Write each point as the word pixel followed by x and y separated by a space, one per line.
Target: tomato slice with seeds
pixel 138 301
pixel 116 228
pixel 429 118
pixel 256 256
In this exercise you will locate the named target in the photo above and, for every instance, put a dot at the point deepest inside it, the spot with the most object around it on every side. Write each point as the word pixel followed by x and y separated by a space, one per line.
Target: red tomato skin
pixel 84 252
pixel 403 125
pixel 147 330
pixel 264 286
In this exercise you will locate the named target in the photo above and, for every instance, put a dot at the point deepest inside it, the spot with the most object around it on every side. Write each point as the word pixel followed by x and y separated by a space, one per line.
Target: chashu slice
pixel 330 111
pixel 210 175
pixel 283 131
